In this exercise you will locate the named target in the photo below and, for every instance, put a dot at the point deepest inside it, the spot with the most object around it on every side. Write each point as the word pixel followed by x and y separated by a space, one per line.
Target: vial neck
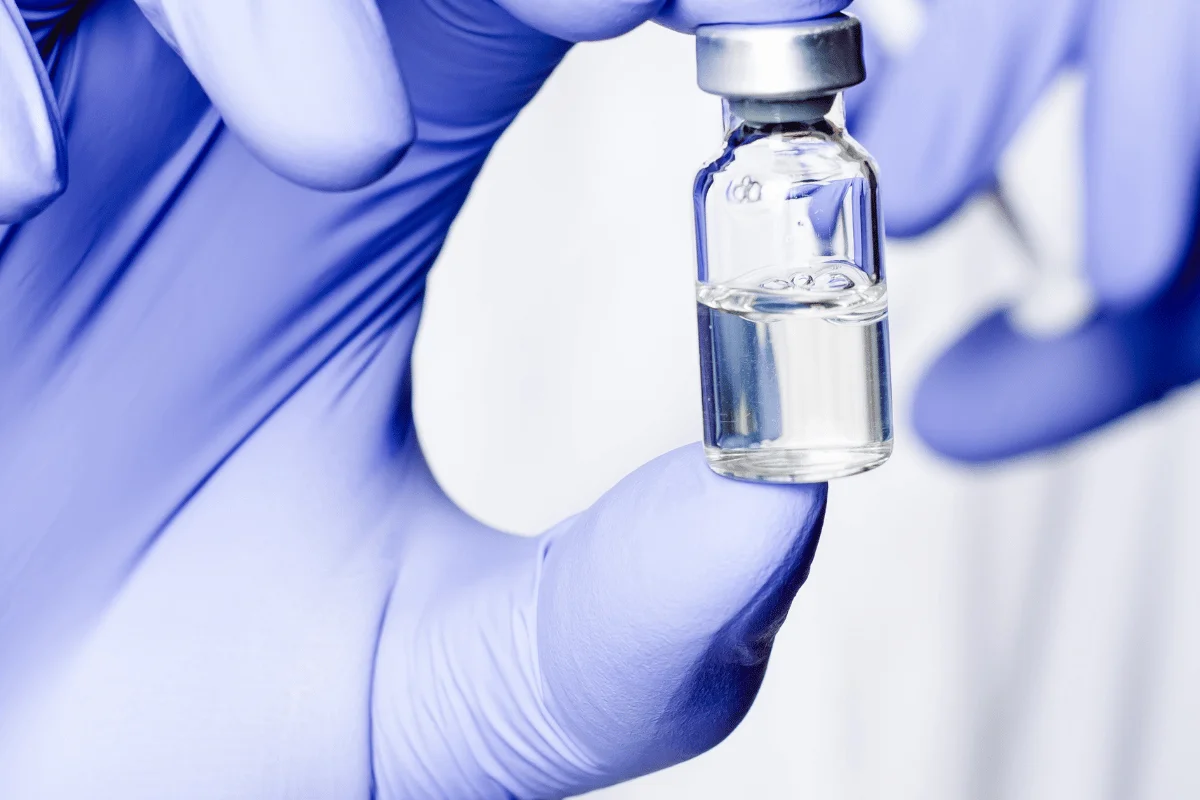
pixel 773 112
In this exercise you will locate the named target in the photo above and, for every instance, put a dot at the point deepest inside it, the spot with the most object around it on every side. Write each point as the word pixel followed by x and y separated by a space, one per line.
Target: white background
pixel 1030 631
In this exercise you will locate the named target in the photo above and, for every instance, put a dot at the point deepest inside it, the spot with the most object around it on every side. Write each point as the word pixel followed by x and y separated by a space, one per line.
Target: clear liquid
pixel 795 374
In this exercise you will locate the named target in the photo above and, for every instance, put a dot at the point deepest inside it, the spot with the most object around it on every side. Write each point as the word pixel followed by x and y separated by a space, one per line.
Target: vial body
pixel 791 302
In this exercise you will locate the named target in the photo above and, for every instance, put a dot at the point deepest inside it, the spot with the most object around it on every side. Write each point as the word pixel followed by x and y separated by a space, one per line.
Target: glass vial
pixel 790 294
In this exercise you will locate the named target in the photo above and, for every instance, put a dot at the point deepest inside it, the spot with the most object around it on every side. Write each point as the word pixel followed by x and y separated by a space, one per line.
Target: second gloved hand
pixel 939 119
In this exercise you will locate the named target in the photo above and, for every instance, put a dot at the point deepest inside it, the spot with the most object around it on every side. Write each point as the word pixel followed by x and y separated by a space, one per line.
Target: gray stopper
pixel 797 61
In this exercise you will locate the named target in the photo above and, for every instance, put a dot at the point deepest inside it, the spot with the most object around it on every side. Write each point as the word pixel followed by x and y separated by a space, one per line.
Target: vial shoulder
pixel 807 154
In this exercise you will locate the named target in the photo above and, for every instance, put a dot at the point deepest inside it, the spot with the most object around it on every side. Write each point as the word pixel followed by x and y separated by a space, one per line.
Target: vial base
pixel 786 465
pixel 795 375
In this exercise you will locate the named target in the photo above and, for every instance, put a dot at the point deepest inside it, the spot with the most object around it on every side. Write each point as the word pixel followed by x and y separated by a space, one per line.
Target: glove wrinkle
pixel 46 17
pixel 484 729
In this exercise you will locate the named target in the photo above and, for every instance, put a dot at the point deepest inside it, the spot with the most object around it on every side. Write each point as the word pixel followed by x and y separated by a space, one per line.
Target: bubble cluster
pixel 747 190
pixel 831 278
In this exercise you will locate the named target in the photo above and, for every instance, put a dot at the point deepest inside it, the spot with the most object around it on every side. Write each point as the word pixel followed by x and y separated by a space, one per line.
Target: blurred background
pixel 1030 630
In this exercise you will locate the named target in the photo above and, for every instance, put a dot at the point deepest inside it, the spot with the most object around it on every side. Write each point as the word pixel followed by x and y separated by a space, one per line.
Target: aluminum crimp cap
pixel 792 61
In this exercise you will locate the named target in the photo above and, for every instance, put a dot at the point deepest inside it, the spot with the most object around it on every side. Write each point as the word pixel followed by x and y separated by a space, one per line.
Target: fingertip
pixel 659 604
pixel 1140 188
pixel 972 405
pixel 318 134
pixel 583 20
pixel 688 520
pixel 310 86
pixel 1125 281
pixel 1139 228
pixel 333 158
pixel 27 196
pixel 708 488
pixel 920 188
pixel 945 425
pixel 912 214
pixel 997 393
pixel 687 15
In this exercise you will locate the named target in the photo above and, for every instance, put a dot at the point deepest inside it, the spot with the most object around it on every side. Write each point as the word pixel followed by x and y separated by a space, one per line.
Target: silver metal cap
pixel 793 61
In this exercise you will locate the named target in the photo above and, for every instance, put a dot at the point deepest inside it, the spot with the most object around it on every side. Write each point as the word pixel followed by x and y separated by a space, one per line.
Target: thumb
pixel 33 162
pixel 659 606
pixel 310 86
pixel 630 637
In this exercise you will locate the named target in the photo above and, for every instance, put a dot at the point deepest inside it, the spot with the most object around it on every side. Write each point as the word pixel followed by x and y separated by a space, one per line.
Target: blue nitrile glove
pixel 939 119
pixel 225 569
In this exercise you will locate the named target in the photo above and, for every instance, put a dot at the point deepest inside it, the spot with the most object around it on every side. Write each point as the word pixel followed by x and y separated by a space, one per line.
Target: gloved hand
pixel 939 119
pixel 225 569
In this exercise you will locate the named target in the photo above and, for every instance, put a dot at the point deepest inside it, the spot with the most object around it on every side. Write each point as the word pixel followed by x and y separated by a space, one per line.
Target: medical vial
pixel 791 297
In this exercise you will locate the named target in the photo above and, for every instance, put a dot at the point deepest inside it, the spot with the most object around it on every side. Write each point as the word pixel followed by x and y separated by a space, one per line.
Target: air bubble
pixel 776 284
pixel 802 280
pixel 836 281
pixel 838 278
